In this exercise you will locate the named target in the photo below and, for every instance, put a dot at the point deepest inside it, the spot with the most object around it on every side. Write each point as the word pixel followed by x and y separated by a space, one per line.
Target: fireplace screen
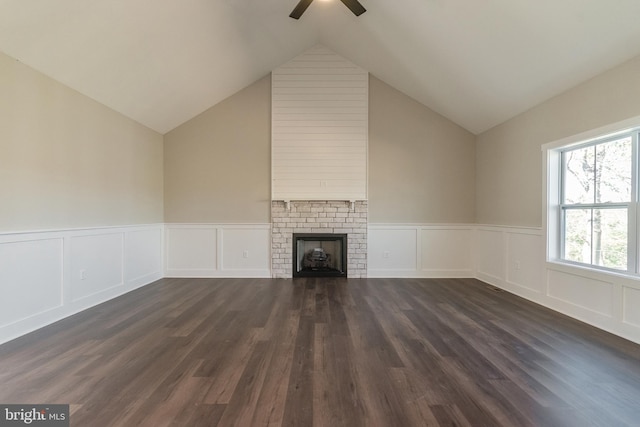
pixel 318 255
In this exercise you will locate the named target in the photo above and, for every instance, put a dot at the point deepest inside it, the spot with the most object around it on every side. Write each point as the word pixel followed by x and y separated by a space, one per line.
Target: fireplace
pixel 319 255
pixel 318 217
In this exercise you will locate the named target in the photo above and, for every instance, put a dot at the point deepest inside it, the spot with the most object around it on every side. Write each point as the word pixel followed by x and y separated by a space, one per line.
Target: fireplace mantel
pixel 287 202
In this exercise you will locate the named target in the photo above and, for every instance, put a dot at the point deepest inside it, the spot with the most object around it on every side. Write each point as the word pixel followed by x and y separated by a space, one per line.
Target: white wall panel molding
pixel 510 258
pixel 98 263
pixel 218 250
pixel 143 254
pixel 31 277
pixel 490 254
pixel 191 250
pixel 592 299
pixel 420 250
pixel 513 258
pixel 631 312
pixel 48 275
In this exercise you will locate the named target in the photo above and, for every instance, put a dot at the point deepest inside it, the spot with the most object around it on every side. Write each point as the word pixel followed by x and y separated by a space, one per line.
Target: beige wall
pixel 509 159
pixel 421 165
pixel 68 162
pixel 217 165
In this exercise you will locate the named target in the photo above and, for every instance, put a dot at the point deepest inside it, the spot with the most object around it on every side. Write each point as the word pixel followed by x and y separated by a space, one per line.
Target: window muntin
pixel 597 198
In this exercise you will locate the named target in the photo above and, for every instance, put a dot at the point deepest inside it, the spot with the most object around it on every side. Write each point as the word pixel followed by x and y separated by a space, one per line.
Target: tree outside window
pixel 597 192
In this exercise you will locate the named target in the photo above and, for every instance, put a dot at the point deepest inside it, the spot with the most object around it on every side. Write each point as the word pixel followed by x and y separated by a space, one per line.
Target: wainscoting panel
pixel 246 249
pixel 447 252
pixel 631 299
pixel 218 250
pixel 393 251
pixel 592 295
pixel 24 267
pixel 96 264
pixel 524 261
pixel 420 250
pixel 513 258
pixel 490 252
pixel 46 276
pixel 191 250
pixel 143 255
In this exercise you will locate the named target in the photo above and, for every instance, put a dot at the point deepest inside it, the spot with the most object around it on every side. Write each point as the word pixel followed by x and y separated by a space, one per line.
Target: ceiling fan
pixel 353 5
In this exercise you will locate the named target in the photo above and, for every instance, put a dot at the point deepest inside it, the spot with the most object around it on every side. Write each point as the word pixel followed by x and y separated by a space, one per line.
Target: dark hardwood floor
pixel 325 352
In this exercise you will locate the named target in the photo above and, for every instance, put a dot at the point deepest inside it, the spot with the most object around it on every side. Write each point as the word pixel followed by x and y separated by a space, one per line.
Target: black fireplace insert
pixel 319 255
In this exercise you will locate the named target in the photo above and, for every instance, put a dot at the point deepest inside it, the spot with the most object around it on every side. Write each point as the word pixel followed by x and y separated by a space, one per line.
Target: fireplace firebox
pixel 319 255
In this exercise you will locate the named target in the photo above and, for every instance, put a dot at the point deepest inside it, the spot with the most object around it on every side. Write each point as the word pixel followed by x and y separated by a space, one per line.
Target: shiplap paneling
pixel 319 128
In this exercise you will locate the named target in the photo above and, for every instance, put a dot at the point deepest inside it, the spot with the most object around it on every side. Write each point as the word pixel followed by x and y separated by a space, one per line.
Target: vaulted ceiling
pixel 477 62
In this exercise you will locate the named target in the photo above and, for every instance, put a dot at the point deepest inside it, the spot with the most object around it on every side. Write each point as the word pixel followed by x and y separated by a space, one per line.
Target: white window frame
pixel 629 206
pixel 553 198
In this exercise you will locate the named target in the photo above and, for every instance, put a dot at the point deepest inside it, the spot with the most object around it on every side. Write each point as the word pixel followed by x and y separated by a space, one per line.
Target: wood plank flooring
pixel 325 352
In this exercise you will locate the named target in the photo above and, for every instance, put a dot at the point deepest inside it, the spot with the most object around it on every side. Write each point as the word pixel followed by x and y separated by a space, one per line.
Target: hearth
pixel 319 255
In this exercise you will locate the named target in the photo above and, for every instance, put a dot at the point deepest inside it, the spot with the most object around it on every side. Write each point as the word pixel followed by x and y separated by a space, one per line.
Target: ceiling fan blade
pixel 300 8
pixel 354 6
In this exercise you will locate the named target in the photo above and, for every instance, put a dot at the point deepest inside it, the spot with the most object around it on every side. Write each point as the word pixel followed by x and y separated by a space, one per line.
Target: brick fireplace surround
pixel 340 217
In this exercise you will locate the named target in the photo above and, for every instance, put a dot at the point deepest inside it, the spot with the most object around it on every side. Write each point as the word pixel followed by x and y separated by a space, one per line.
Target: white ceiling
pixel 477 62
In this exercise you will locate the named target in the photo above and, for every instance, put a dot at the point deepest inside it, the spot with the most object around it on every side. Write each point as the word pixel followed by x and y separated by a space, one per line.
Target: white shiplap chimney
pixel 319 128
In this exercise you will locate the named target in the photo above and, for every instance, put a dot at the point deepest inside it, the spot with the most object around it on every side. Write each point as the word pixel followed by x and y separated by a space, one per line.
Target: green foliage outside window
pixel 597 189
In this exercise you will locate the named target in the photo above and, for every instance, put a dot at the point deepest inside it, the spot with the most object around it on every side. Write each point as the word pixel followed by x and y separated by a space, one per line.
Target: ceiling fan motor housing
pixel 353 5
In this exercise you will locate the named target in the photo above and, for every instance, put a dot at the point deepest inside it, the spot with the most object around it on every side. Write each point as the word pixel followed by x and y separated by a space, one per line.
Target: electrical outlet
pixel 386 254
pixel 517 263
pixel 245 254
pixel 83 274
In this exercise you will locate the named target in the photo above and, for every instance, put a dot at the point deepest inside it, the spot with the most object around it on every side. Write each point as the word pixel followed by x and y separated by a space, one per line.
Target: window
pixel 597 202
